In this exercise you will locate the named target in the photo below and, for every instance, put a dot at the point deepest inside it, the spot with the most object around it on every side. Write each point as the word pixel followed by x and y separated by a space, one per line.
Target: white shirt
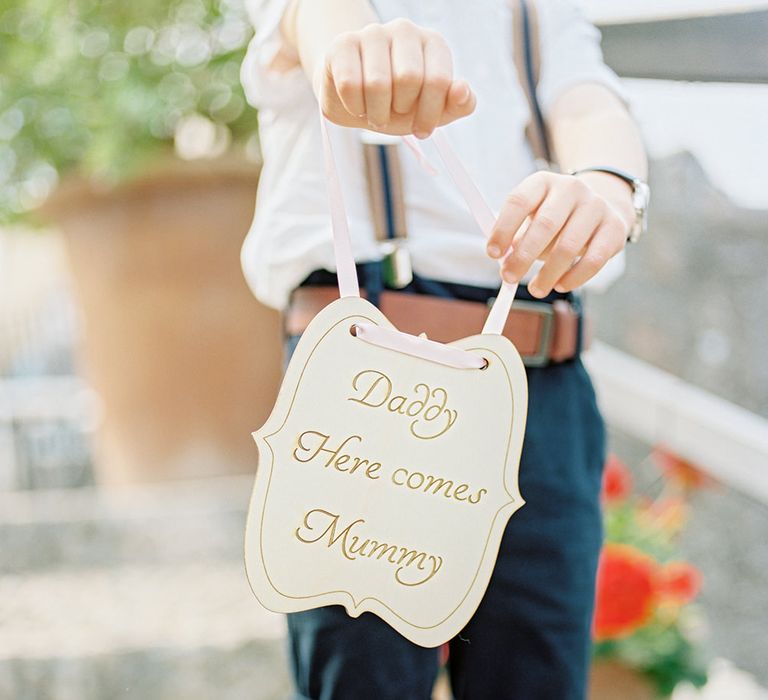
pixel 291 234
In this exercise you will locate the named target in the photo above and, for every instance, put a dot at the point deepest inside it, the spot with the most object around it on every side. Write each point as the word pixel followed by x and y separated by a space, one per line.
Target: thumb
pixel 460 102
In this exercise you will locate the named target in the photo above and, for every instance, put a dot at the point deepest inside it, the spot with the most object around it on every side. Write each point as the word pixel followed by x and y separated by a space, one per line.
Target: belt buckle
pixel 547 312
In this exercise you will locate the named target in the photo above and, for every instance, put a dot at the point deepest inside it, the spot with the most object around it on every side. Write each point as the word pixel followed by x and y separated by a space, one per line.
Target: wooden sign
pixel 385 480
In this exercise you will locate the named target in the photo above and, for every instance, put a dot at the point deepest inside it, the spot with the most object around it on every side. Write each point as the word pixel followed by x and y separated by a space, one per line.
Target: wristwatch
pixel 641 195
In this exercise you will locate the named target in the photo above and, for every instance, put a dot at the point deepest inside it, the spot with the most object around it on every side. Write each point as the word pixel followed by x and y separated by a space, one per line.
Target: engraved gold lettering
pixel 435 564
pixel 394 476
pixel 450 418
pixel 412 556
pixel 413 485
pixel 321 447
pixel 436 409
pixel 313 443
pixel 330 530
pixel 377 379
pixel 358 462
pixel 384 548
pixel 460 490
pixel 427 407
pixel 355 549
pixel 417 405
pixel 322 525
pixel 306 435
pixel 396 404
pixel 476 498
pixel 434 485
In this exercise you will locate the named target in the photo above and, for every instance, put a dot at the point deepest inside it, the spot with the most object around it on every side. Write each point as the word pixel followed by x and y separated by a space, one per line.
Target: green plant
pixel 102 88
pixel 643 613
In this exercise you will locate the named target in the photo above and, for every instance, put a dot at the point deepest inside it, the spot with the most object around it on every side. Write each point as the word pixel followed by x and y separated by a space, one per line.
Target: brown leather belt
pixel 542 332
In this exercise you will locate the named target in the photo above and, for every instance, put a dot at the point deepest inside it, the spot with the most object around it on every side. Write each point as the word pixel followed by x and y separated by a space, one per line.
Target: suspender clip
pixel 396 267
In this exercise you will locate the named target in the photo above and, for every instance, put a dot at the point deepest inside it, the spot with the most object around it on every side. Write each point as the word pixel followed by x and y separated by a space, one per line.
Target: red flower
pixel 680 471
pixel 679 582
pixel 617 480
pixel 626 591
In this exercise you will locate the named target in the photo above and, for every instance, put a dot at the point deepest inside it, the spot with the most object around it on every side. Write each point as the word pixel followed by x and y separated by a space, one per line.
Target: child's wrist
pixel 617 192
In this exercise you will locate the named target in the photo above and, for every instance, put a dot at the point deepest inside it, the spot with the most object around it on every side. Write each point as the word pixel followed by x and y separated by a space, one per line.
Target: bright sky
pixel 617 10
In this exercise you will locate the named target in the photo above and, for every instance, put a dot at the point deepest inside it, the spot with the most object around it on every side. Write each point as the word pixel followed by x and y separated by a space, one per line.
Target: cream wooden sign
pixel 385 480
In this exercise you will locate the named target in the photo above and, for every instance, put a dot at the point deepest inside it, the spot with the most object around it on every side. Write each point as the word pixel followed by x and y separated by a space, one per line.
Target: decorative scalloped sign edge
pixel 385 481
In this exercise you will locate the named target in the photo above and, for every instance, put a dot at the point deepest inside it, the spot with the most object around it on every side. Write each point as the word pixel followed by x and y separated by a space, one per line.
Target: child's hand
pixel 575 224
pixel 396 78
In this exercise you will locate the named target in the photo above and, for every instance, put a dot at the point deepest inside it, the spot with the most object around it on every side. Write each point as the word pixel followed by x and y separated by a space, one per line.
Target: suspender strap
pixel 527 55
pixel 347 274
pixel 387 202
pixel 387 205
pixel 385 190
pixel 382 161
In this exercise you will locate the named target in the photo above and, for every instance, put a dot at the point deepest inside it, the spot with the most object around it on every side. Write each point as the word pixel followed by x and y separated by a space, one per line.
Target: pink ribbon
pixel 347 273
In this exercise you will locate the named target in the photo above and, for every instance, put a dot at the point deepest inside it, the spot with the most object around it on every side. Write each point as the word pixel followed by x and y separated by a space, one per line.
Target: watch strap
pixel 630 179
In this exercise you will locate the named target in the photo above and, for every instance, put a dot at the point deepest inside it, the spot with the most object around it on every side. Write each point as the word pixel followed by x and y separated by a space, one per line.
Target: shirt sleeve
pixel 265 87
pixel 570 53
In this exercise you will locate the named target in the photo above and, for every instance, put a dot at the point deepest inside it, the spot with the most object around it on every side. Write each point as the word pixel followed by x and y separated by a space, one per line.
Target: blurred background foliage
pixel 103 88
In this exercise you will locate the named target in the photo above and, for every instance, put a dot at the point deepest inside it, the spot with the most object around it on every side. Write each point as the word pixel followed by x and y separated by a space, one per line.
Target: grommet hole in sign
pixel 476 362
pixel 386 472
pixel 417 346
pixel 373 334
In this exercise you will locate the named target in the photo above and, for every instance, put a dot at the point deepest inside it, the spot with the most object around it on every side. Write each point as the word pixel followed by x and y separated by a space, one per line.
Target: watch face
pixel 640 199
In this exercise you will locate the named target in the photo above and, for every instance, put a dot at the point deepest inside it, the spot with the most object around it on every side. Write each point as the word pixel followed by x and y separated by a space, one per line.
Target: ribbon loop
pixel 345 262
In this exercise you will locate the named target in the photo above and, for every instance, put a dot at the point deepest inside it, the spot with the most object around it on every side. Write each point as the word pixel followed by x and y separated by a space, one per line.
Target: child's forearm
pixel 589 123
pixel 310 26
pixel 576 224
pixel 591 127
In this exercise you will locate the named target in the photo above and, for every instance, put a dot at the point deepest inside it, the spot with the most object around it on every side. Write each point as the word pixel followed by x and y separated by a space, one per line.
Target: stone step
pixel 190 631
pixel 155 524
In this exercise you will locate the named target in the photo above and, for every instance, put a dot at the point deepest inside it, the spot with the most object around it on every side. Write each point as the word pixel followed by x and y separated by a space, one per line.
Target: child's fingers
pixel 565 249
pixel 519 204
pixel 461 102
pixel 438 77
pixel 395 78
pixel 344 75
pixel 608 240
pixel 545 225
pixel 407 67
pixel 377 75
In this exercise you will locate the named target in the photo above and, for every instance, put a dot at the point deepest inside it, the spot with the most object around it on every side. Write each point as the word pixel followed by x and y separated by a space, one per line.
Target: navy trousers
pixel 530 637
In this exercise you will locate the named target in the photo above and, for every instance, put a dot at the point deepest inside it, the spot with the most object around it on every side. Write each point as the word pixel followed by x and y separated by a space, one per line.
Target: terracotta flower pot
pixel 610 680
pixel 185 360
